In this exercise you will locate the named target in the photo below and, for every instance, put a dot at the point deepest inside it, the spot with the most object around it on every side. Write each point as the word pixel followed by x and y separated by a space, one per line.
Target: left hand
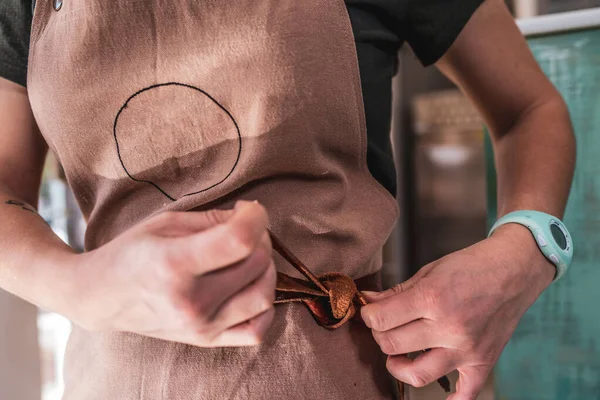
pixel 464 307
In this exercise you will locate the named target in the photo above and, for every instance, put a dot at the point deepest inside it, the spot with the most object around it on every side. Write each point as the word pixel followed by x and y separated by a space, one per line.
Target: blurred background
pixel 446 195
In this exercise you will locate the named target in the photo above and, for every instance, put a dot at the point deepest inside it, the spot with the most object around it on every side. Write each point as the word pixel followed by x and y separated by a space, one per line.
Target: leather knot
pixel 332 304
pixel 342 291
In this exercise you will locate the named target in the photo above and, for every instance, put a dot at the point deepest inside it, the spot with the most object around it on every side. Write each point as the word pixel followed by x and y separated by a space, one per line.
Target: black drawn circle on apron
pixel 177 138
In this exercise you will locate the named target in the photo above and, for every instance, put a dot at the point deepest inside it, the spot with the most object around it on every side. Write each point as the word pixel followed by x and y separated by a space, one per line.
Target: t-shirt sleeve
pixel 15 27
pixel 433 25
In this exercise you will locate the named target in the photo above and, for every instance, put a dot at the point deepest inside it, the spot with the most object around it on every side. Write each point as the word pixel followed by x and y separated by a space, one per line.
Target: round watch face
pixel 558 235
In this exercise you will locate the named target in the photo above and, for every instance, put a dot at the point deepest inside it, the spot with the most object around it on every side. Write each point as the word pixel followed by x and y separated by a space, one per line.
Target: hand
pixel 202 278
pixel 464 307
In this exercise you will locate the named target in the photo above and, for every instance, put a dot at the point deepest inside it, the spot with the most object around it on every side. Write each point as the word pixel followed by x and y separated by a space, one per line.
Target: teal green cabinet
pixel 555 352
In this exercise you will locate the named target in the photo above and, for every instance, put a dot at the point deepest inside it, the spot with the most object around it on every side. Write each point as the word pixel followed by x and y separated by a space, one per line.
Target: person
pixel 188 131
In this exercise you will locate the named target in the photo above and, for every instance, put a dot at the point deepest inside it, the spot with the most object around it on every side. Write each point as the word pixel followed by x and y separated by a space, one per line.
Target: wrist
pixel 77 301
pixel 60 284
pixel 534 264
pixel 93 299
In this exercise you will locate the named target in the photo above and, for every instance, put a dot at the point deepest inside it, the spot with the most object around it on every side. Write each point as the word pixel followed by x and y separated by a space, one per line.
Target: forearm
pixel 33 260
pixel 535 161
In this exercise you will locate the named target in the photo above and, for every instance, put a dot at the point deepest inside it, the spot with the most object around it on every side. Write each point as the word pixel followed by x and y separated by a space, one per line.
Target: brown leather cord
pixel 333 299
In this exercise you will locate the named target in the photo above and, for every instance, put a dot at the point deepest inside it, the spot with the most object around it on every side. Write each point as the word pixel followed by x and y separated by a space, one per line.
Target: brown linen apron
pixel 188 105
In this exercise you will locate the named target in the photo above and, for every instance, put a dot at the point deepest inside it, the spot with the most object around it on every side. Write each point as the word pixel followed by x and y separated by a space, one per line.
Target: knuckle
pixel 215 216
pixel 203 312
pixel 397 288
pixel 202 327
pixel 203 332
pixel 389 365
pixel 432 298
pixel 240 242
pixel 256 334
pixel 379 320
pixel 419 378
pixel 196 310
pixel 388 344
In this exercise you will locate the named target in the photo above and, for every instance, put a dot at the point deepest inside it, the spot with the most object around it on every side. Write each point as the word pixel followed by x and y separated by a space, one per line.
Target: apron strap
pixel 332 298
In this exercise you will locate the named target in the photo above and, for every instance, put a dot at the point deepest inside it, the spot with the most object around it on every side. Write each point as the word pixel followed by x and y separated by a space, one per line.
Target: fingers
pixel 394 311
pixel 470 383
pixel 226 243
pixel 400 287
pixel 415 336
pixel 374 297
pixel 249 333
pixel 208 292
pixel 423 370
pixel 177 224
pixel 252 301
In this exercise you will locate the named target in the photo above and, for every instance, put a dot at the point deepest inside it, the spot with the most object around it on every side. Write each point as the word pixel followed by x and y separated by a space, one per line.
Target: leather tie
pixel 333 299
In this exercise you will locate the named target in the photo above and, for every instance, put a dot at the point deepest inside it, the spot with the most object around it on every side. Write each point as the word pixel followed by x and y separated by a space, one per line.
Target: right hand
pixel 201 278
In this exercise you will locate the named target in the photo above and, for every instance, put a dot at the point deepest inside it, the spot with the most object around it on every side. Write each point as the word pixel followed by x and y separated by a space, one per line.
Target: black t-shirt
pixel 380 28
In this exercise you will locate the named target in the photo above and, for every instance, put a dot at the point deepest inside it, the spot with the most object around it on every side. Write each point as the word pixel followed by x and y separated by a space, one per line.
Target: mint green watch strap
pixel 550 234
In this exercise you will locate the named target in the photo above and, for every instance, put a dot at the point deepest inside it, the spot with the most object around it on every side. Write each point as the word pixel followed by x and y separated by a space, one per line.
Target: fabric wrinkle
pixel 285 72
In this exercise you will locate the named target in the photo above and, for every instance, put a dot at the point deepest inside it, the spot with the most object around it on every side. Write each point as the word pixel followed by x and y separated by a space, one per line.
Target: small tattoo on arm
pixel 20 204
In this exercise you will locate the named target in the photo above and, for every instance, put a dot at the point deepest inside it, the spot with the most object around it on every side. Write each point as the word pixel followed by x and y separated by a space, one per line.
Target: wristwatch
pixel 551 236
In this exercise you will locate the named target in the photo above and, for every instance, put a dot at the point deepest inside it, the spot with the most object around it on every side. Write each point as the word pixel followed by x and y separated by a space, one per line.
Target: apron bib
pixel 183 105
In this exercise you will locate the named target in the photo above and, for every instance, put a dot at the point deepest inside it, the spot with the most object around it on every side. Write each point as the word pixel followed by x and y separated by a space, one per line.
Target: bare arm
pixel 203 278
pixel 30 253
pixel 529 122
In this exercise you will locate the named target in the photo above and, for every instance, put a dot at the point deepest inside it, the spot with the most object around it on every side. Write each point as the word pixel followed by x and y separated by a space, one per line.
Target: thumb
pixel 178 224
pixel 208 219
pixel 373 297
